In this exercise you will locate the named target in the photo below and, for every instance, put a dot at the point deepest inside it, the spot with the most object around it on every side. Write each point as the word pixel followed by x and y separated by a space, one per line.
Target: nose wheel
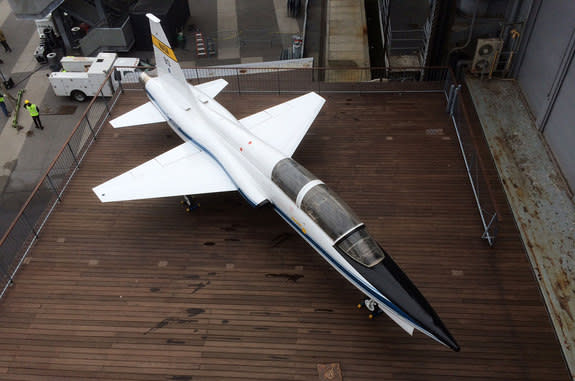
pixel 189 203
pixel 372 307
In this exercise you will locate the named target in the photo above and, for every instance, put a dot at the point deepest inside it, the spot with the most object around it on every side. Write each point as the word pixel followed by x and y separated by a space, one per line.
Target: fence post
pixel 450 97
pixel 278 80
pixel 454 101
pixel 119 83
pixel 29 224
pixel 53 187
pixel 73 156
pixel 487 234
pixel 105 103
pixel 10 280
pixel 318 78
pixel 90 126
pixel 476 170
pixel 5 270
pixel 238 81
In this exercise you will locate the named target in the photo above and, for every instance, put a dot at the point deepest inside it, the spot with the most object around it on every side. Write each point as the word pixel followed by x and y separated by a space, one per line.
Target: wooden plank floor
pixel 143 291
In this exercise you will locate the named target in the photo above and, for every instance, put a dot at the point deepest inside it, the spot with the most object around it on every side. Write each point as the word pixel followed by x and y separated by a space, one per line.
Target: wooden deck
pixel 143 291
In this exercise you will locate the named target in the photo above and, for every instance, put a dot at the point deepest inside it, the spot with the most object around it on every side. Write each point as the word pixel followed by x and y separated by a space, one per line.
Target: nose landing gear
pixel 372 307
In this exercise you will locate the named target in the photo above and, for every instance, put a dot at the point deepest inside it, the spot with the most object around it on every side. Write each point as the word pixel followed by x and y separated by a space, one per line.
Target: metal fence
pixel 473 165
pixel 26 227
pixel 290 80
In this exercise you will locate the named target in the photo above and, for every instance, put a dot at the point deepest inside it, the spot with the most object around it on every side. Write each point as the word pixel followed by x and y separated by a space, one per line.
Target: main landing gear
pixel 372 307
pixel 189 203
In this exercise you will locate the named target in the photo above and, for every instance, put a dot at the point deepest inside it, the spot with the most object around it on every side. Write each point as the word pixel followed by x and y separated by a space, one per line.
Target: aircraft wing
pixel 181 171
pixel 212 88
pixel 144 114
pixel 284 126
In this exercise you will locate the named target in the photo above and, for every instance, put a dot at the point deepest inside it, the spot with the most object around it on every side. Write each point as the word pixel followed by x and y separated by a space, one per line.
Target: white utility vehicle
pixel 82 76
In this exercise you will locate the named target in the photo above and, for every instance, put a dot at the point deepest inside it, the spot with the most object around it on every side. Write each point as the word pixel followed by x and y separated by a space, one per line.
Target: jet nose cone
pixel 443 336
pixel 405 300
pixel 398 288
pixel 455 347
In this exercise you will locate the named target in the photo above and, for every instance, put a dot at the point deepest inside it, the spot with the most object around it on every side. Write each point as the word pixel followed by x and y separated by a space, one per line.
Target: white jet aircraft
pixel 253 156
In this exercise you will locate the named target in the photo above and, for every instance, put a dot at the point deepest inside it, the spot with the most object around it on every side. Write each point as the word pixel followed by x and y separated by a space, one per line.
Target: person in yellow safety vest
pixel 34 113
pixel 3 105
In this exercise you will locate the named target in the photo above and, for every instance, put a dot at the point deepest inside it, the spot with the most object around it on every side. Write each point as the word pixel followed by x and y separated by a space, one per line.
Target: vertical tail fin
pixel 166 61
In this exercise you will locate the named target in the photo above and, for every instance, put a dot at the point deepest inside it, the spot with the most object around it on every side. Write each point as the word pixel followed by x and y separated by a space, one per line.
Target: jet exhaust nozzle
pixel 144 77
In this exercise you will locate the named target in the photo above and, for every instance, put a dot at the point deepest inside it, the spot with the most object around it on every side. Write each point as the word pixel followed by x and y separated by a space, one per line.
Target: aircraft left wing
pixel 144 114
pixel 181 171
pixel 284 126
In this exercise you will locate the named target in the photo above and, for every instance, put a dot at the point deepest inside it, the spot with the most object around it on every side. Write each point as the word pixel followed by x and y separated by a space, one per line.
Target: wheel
pixel 78 96
pixel 371 305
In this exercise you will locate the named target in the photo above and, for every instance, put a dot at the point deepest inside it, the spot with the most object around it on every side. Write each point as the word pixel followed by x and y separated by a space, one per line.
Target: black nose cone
pixel 406 299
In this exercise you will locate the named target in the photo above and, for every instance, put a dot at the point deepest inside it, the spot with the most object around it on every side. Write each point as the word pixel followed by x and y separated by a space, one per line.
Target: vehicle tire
pixel 78 96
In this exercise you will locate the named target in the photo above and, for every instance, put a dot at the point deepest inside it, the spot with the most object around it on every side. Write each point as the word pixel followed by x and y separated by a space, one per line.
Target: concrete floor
pixel 538 195
pixel 25 154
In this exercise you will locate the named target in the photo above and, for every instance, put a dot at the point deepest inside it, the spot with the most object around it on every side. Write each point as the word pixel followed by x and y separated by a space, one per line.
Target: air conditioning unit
pixel 486 54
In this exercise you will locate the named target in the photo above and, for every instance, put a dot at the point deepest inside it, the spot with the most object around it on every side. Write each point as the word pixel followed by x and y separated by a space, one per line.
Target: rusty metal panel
pixel 538 196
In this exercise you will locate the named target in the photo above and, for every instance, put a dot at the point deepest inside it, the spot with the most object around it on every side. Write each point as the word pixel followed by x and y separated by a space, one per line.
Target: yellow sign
pixel 164 48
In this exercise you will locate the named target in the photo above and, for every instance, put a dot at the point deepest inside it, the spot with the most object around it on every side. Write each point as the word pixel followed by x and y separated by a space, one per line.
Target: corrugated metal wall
pixel 547 77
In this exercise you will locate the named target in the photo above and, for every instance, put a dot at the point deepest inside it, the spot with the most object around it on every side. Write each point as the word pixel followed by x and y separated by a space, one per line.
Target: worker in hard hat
pixel 34 113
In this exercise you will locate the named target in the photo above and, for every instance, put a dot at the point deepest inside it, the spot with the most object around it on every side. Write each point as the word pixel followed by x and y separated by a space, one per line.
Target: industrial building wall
pixel 547 77
pixel 560 126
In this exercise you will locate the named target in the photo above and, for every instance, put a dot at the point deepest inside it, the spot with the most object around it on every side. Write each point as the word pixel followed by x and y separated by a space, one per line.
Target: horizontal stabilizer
pixel 144 114
pixel 284 126
pixel 183 170
pixel 212 88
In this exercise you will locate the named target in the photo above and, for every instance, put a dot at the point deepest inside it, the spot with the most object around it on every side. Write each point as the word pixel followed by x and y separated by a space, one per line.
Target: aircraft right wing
pixel 181 171
pixel 284 126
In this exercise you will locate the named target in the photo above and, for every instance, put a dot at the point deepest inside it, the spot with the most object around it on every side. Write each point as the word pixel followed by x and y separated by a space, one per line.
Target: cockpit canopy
pixel 360 246
pixel 329 211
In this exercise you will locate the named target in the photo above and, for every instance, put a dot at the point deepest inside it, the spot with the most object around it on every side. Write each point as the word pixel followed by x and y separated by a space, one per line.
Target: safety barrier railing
pixel 290 80
pixel 27 225
pixel 475 169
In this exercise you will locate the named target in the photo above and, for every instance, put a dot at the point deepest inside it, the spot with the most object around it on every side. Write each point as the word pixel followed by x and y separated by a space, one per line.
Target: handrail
pixel 5 236
pixel 455 107
pixel 482 164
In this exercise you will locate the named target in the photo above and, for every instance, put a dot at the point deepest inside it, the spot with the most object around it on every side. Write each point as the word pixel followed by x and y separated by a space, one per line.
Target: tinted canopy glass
pixel 329 211
pixel 291 177
pixel 361 247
